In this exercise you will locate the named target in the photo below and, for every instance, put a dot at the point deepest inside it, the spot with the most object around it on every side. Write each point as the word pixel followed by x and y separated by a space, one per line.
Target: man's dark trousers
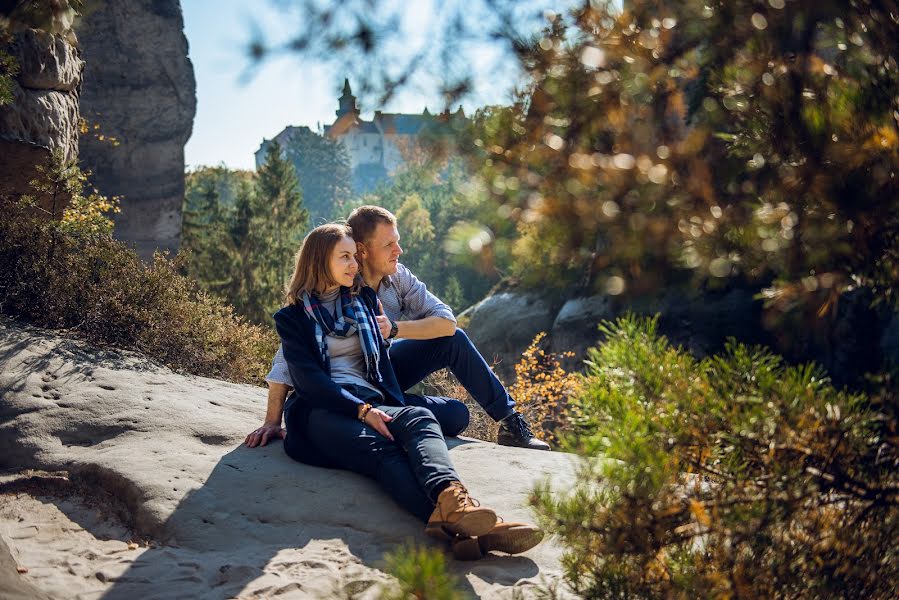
pixel 413 360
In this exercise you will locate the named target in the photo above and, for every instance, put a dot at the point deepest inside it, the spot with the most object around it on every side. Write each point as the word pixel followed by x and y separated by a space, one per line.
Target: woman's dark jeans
pixel 413 469
pixel 452 414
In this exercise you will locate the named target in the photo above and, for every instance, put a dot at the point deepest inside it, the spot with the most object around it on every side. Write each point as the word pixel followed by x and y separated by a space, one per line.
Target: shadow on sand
pixel 263 525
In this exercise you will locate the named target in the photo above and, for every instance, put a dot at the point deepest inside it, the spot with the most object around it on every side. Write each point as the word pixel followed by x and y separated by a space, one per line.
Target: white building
pixel 376 148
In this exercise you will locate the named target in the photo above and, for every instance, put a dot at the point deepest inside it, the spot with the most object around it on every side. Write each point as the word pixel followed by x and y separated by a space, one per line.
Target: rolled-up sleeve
pixel 416 302
pixel 279 372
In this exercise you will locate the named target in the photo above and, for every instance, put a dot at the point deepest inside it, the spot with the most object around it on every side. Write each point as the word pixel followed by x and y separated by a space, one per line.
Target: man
pixel 426 340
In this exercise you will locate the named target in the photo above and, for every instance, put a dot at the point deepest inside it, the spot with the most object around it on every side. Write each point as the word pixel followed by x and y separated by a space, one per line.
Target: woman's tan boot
pixel 511 538
pixel 457 513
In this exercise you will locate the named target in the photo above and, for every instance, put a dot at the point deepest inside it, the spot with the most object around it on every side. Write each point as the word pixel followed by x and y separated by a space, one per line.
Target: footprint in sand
pixel 298 569
pixel 236 574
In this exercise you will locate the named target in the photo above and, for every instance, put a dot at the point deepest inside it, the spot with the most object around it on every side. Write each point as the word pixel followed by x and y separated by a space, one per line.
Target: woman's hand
pixel 267 432
pixel 377 419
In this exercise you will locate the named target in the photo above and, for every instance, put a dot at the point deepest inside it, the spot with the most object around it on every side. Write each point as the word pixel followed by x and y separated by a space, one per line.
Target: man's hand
pixel 377 419
pixel 261 436
pixel 384 325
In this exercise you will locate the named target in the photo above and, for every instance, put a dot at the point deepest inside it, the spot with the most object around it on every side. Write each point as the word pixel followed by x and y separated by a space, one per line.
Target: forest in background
pixel 241 229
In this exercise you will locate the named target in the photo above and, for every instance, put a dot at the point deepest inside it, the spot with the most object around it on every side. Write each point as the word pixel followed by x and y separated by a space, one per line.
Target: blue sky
pixel 236 109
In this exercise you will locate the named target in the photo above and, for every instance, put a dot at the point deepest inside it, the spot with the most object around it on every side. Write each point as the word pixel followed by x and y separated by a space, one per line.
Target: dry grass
pixel 443 383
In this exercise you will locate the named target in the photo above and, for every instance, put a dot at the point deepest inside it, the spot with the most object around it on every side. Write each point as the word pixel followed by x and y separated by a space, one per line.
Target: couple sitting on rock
pixel 348 407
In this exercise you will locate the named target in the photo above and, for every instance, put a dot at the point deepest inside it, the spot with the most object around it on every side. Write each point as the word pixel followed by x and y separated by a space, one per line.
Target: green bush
pixel 241 231
pixel 421 575
pixel 63 270
pixel 734 476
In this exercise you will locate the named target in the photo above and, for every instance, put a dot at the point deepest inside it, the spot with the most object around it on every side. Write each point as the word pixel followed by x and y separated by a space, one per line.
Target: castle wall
pixel 362 148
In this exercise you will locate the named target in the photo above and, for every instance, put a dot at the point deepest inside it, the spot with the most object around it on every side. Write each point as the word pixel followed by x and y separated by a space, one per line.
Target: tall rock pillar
pixel 139 88
pixel 43 116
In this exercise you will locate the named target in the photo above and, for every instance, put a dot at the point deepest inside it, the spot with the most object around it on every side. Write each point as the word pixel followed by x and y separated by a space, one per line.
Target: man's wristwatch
pixel 394 329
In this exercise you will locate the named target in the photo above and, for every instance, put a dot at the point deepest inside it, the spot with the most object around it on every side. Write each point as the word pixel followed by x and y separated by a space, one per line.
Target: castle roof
pixel 348 119
pixel 392 123
pixel 402 124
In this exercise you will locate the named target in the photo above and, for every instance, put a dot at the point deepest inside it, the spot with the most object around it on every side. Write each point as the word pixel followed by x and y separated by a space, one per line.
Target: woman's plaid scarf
pixel 353 316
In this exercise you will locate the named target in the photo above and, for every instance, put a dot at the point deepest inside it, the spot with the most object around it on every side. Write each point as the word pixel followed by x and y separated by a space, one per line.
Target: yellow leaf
pixel 700 513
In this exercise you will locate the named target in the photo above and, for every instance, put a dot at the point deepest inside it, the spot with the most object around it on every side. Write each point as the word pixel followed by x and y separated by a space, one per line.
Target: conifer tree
pixel 242 232
pixel 281 220
pixel 203 229
pixel 323 168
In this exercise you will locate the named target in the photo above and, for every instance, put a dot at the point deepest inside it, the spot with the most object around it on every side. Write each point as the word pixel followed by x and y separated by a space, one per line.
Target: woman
pixel 348 411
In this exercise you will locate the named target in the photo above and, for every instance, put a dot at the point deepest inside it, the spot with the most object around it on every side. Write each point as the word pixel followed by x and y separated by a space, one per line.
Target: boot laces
pixel 524 430
pixel 464 498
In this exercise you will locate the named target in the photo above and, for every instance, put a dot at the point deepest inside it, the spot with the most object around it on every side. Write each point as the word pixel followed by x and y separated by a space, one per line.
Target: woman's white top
pixel 347 360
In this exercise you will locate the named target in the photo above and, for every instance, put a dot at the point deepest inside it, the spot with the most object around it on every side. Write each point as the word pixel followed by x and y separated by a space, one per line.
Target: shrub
pixel 69 273
pixel 729 477
pixel 421 575
pixel 542 390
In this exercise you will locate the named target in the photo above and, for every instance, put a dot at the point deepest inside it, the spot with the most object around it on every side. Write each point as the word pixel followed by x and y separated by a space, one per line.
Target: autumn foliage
pixel 542 389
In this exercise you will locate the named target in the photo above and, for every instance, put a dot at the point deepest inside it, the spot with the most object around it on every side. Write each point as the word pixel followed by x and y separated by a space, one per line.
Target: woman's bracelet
pixel 366 408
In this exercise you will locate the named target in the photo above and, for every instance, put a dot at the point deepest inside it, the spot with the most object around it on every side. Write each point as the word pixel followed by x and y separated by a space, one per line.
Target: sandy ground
pixel 66 542
pixel 70 549
pixel 63 544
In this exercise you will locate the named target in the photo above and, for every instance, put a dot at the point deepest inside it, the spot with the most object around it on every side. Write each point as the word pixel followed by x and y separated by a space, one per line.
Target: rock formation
pixel 142 489
pixel 44 114
pixel 856 340
pixel 139 88
pixel 503 324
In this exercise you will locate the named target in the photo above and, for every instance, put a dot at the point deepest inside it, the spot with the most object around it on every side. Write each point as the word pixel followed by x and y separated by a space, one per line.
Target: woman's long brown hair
pixel 311 271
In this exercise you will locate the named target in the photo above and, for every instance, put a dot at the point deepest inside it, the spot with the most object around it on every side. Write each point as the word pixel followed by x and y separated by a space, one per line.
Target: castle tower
pixel 347 101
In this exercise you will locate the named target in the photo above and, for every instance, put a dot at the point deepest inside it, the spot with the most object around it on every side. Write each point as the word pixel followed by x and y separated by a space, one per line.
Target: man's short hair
pixel 365 219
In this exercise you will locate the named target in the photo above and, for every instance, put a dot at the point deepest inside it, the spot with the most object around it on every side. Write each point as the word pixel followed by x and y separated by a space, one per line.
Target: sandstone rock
pixel 139 88
pixel 576 326
pixel 222 520
pixel 46 61
pixel 504 324
pixel 854 339
pixel 701 323
pixel 11 586
pixel 46 118
pixel 44 114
